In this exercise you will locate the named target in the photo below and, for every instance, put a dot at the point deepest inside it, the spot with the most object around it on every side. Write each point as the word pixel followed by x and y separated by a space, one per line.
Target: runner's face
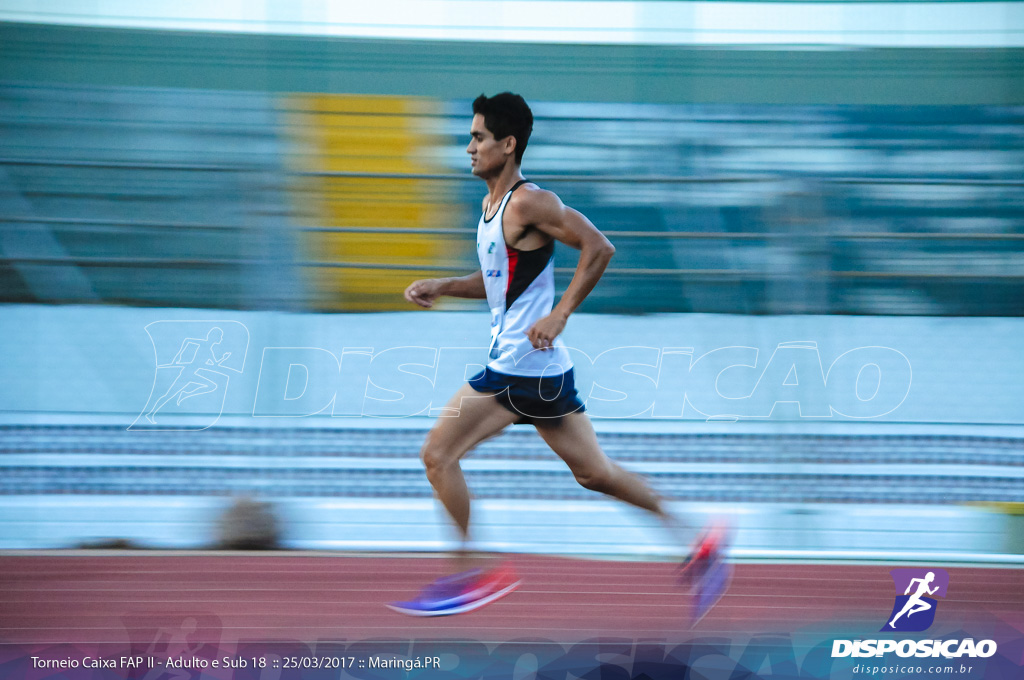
pixel 487 154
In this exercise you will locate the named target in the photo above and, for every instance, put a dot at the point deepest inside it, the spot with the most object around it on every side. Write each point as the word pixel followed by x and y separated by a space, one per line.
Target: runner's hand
pixel 423 292
pixel 543 333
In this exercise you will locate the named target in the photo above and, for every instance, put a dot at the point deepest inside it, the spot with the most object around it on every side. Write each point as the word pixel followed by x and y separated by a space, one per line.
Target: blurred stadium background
pixel 848 180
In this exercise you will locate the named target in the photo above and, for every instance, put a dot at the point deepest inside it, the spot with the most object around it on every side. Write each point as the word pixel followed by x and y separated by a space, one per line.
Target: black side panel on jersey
pixel 528 267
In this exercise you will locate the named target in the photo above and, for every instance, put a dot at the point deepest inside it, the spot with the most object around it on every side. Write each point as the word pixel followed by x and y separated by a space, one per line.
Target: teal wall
pixel 452 70
pixel 768 182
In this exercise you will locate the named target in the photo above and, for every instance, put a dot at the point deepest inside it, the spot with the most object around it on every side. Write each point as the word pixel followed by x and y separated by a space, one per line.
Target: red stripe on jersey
pixel 513 260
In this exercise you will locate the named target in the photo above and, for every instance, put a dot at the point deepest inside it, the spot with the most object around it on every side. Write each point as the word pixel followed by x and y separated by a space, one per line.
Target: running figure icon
pixel 192 370
pixel 915 604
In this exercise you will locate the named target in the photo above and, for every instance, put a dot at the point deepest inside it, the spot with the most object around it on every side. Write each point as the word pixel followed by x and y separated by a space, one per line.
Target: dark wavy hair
pixel 506 115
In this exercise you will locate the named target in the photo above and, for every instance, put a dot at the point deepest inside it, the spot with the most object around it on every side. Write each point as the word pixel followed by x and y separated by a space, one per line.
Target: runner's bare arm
pixel 546 212
pixel 425 291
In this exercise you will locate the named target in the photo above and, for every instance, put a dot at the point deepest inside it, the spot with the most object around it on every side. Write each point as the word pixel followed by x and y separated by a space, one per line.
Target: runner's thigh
pixel 572 437
pixel 480 417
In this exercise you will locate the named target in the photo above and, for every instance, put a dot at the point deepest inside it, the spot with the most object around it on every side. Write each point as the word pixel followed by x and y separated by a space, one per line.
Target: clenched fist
pixel 424 292
pixel 543 333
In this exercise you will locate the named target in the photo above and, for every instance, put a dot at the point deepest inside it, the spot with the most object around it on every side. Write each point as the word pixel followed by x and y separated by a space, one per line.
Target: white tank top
pixel 520 288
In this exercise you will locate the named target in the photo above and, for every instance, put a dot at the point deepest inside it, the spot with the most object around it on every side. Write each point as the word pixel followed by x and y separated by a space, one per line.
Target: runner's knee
pixel 595 478
pixel 436 458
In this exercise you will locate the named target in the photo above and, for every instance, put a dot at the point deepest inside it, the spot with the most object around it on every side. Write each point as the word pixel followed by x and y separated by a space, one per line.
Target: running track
pixel 85 599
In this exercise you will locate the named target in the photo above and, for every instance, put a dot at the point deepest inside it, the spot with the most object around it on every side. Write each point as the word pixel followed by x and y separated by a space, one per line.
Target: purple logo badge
pixel 914 609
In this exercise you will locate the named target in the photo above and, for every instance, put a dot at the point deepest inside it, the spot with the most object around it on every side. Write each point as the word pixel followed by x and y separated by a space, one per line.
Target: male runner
pixel 529 375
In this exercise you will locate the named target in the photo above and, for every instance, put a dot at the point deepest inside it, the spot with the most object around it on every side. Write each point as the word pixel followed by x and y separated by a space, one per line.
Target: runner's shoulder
pixel 534 204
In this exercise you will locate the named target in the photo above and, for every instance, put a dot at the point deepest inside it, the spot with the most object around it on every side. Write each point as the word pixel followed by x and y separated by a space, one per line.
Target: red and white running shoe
pixel 705 572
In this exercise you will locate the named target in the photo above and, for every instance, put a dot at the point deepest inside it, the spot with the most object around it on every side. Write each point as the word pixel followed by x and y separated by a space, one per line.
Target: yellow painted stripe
pixel 377 134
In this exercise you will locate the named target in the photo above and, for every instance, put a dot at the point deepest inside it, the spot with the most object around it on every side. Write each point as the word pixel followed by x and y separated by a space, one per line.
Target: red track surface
pixel 83 599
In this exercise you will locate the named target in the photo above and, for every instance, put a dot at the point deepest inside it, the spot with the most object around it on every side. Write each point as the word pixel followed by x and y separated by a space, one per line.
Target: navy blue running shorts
pixel 534 398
